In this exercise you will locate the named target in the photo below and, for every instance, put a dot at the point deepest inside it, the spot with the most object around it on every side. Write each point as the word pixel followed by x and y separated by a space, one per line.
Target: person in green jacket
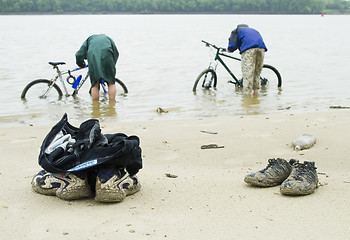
pixel 102 55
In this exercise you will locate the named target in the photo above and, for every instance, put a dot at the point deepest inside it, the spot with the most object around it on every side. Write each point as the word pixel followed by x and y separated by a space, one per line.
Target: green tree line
pixel 173 6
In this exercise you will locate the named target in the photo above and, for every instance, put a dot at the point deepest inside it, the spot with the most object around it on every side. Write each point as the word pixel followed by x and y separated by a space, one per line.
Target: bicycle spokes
pixel 46 92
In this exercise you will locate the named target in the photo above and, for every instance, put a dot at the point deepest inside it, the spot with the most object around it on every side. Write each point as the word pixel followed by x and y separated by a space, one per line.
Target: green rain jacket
pixel 102 55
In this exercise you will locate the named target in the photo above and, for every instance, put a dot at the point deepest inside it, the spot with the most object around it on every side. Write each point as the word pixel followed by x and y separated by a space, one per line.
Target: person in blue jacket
pixel 251 46
pixel 102 55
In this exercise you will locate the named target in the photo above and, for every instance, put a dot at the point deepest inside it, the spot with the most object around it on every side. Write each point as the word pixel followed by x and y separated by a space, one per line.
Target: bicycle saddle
pixel 54 64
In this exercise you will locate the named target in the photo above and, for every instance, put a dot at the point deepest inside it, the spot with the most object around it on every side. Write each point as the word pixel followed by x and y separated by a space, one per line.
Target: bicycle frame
pixel 60 75
pixel 219 59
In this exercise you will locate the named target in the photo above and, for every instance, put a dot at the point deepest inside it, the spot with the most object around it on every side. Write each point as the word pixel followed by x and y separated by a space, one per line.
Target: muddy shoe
pixel 113 185
pixel 303 179
pixel 67 187
pixel 131 185
pixel 273 174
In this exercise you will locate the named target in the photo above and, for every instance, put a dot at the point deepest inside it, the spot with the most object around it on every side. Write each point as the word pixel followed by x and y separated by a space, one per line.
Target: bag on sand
pixel 70 149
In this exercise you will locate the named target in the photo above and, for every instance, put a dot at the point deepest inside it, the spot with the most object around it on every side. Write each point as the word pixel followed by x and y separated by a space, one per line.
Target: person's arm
pixel 114 50
pixel 231 47
pixel 81 55
pixel 233 41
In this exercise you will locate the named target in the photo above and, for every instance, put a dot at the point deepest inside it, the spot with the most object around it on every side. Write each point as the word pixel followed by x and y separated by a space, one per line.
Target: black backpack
pixel 90 149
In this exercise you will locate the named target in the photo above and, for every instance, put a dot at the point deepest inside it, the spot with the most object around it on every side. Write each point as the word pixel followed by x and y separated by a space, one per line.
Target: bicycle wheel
pixel 125 89
pixel 36 89
pixel 207 78
pixel 270 77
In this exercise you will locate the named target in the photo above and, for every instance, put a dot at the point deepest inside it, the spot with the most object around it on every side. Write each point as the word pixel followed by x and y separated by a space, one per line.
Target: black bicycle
pixel 208 77
pixel 49 90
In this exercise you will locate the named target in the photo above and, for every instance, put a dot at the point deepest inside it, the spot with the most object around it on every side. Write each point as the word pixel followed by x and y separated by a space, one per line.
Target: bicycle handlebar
pixel 214 46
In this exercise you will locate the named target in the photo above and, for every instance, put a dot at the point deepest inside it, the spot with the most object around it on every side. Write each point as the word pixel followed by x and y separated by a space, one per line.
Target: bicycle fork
pixel 212 65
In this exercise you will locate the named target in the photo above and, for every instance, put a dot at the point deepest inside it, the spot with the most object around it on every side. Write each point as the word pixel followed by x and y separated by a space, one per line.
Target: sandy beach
pixel 208 199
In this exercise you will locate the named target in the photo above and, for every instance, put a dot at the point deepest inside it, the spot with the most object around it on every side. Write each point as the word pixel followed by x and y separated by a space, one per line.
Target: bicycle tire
pixel 270 78
pixel 203 76
pixel 37 88
pixel 125 89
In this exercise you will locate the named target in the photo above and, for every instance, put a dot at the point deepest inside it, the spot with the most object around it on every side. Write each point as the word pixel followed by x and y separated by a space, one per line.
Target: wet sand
pixel 208 199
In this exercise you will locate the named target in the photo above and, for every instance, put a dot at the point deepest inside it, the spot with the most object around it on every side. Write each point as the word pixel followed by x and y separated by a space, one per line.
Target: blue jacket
pixel 244 38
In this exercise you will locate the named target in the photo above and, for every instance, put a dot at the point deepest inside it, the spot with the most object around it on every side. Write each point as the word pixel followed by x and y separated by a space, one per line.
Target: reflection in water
pixel 103 109
pixel 251 103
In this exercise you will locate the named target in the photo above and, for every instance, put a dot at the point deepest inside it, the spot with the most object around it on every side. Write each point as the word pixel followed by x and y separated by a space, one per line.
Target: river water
pixel 160 58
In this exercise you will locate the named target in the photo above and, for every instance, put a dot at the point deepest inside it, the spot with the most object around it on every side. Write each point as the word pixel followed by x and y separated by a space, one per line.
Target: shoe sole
pixel 292 192
pixel 257 183
pixel 73 194
pixel 106 196
pixel 77 193
pixel 48 192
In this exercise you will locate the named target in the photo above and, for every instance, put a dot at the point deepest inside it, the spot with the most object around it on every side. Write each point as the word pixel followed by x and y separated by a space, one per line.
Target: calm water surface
pixel 161 56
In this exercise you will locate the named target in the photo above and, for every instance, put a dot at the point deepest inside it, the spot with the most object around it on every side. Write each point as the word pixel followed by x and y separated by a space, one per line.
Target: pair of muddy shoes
pixel 112 185
pixel 295 178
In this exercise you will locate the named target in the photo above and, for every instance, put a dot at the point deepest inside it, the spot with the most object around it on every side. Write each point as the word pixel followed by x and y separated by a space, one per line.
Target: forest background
pixel 174 6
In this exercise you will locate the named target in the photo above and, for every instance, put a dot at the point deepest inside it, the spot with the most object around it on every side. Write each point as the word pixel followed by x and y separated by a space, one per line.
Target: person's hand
pixel 82 65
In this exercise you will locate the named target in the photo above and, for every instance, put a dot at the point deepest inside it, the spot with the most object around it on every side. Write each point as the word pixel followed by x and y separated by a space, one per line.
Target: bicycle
pixel 48 89
pixel 208 76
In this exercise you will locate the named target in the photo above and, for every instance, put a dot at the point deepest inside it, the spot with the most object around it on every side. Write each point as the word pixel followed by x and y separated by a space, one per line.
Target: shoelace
pixel 271 162
pixel 302 169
